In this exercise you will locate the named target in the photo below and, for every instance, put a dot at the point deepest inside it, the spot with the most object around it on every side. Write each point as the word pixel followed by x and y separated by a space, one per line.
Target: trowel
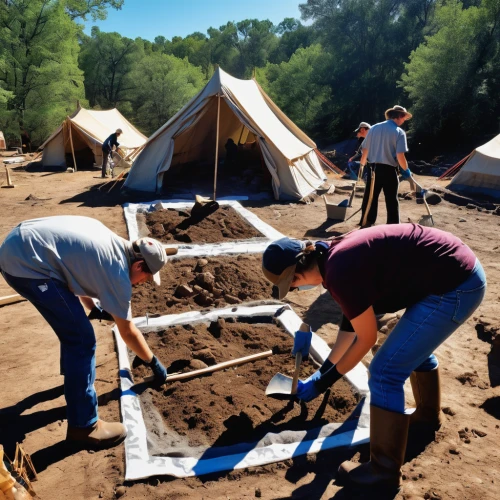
pixel 282 384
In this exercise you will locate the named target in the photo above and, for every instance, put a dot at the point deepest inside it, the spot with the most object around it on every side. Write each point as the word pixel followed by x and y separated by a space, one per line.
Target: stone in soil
pixel 230 406
pixel 228 280
pixel 172 225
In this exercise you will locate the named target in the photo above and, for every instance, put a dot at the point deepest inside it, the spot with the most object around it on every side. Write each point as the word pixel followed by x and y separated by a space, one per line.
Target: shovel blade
pixel 280 384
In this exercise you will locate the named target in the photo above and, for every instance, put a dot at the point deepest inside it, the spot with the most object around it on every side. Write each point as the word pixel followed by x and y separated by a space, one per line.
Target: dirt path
pixel 463 462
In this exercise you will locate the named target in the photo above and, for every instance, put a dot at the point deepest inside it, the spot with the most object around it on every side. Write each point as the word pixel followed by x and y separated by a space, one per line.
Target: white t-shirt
pixel 79 251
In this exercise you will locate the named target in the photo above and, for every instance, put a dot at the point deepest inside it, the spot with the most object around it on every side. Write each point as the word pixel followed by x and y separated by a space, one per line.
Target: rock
pixel 200 265
pixel 217 292
pixel 203 299
pixel 462 220
pixel 184 237
pixel 478 433
pixel 183 291
pixel 158 229
pixel 120 491
pixel 206 356
pixel 205 280
pixel 448 411
pixel 258 493
pixel 197 364
pixel 454 451
pixel 216 327
pixel 231 299
pixel 471 206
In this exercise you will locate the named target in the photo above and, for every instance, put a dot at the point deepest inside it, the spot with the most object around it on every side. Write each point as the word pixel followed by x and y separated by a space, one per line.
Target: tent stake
pixel 72 148
pixel 216 147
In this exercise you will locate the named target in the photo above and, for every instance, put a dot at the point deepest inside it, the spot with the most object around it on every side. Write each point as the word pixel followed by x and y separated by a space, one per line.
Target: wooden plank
pixel 11 299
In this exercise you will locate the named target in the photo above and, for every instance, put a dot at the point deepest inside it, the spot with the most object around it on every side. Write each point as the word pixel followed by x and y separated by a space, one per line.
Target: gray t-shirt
pixel 79 251
pixel 383 141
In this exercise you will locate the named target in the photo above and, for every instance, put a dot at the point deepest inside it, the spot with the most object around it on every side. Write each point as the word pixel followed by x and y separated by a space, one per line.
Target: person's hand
pixel 307 390
pixel 100 314
pixel 350 159
pixel 302 343
pixel 159 371
pixel 405 174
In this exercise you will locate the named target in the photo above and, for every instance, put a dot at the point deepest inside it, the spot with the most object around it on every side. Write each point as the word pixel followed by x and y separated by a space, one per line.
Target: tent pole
pixel 72 148
pixel 217 147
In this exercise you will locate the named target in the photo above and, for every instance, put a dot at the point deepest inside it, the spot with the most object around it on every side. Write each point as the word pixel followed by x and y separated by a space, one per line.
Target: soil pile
pixel 171 225
pixel 230 406
pixel 188 284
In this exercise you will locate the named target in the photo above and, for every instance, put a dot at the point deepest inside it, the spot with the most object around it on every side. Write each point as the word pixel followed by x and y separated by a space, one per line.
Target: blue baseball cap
pixel 279 261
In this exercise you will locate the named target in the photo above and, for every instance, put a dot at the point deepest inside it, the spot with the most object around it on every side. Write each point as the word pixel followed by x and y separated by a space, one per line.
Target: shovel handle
pixel 295 381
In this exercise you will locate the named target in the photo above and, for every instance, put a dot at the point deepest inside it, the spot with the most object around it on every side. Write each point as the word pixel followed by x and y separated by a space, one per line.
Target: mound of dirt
pixel 190 284
pixel 170 225
pixel 229 407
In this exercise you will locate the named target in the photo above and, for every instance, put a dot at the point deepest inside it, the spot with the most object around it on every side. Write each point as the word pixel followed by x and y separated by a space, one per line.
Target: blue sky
pixel 150 18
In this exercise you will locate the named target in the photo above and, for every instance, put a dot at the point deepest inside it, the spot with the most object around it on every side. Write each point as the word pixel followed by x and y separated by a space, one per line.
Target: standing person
pixel 384 148
pixel 353 163
pixel 430 273
pixel 55 261
pixel 107 147
pixel 231 154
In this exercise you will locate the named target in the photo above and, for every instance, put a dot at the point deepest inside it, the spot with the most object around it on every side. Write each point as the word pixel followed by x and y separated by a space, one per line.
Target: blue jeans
pixel 64 312
pixel 422 328
pixel 353 169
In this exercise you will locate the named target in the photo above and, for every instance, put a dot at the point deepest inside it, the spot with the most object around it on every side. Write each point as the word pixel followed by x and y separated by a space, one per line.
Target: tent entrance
pixel 241 167
pixel 83 153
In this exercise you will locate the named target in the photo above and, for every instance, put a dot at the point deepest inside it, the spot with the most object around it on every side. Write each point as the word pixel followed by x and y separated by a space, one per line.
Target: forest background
pixel 343 62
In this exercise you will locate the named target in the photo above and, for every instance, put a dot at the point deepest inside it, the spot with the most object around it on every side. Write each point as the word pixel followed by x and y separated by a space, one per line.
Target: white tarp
pixel 139 464
pixel 481 172
pixel 190 136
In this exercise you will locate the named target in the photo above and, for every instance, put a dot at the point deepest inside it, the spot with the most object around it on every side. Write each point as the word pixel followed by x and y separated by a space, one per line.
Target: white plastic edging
pixel 140 465
pixel 256 245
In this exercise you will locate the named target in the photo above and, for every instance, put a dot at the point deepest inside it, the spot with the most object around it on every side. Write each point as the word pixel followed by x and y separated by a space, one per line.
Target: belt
pixel 384 165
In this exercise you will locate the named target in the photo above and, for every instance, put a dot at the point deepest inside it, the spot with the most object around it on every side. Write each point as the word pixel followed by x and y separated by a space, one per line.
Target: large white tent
pixel 237 109
pixel 84 132
pixel 481 173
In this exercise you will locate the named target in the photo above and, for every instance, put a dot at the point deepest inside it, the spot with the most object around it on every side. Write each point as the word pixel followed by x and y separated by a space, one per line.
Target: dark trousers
pixel 386 179
pixel 105 154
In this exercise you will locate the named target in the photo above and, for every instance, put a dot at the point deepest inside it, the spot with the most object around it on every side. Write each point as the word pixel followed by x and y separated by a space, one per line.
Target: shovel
pixel 425 220
pixel 282 384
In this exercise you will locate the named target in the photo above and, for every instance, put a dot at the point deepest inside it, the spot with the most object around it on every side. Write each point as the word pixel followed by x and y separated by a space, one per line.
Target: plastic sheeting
pixel 139 464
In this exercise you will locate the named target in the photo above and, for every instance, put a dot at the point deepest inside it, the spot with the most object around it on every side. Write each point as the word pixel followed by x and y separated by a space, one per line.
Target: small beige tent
pixel 81 135
pixel 3 145
pixel 236 109
pixel 481 173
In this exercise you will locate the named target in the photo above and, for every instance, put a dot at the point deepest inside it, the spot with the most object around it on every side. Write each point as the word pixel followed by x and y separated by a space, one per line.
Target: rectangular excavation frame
pixel 139 464
pixel 205 249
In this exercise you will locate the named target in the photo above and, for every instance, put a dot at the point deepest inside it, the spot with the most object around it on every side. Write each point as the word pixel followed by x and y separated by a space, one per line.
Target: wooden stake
pixel 11 299
pixel 215 368
pixel 72 148
pixel 217 147
pixel 9 180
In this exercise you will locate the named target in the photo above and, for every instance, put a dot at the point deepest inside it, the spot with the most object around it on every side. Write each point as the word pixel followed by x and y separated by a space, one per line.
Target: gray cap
pixel 154 254
pixel 119 131
pixel 363 125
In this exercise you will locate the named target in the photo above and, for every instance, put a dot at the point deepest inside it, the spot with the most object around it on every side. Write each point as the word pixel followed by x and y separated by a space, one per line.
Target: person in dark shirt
pixel 430 273
pixel 353 162
pixel 231 154
pixel 107 147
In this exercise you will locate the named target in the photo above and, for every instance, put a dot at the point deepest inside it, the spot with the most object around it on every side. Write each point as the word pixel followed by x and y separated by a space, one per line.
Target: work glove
pixel 302 343
pixel 159 371
pixel 318 382
pixel 405 174
pixel 100 314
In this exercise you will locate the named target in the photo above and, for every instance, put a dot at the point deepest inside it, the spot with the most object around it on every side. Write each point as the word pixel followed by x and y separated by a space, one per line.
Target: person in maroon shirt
pixel 430 273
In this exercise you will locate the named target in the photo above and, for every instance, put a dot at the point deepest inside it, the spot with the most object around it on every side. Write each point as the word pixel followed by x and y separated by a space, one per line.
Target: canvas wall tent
pixel 481 173
pixel 244 109
pixel 3 145
pixel 85 131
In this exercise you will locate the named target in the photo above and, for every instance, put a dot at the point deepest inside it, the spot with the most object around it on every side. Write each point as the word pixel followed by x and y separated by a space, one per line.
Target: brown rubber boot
pixel 100 435
pixel 427 393
pixel 388 437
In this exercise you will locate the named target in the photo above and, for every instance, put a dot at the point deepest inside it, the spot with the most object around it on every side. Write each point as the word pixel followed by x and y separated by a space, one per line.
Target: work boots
pixel 388 437
pixel 427 393
pixel 98 436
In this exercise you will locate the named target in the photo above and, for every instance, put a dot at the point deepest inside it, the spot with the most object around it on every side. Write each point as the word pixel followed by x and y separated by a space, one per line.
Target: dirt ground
pixel 222 224
pixel 228 407
pixel 462 463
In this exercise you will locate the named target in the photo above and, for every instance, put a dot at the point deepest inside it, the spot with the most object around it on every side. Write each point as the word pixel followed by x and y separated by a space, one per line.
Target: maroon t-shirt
pixel 391 267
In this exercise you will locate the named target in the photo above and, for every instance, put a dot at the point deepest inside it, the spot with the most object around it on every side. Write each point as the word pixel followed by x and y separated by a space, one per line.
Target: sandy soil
pixel 462 463
pixel 228 407
pixel 221 224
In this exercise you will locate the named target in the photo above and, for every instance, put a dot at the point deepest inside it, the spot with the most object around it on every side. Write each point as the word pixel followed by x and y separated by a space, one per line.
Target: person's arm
pixel 365 326
pixel 134 339
pixel 343 342
pixel 87 302
pixel 364 157
pixel 402 161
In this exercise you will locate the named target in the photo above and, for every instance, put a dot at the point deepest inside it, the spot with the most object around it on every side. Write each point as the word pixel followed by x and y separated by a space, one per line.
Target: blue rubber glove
pixel 307 390
pixel 318 382
pixel 159 371
pixel 302 343
pixel 405 174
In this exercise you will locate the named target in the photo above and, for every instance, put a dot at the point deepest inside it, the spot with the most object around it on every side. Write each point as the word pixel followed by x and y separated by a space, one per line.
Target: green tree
pixel 97 9
pixel 39 45
pixel 163 84
pixel 295 88
pixel 293 35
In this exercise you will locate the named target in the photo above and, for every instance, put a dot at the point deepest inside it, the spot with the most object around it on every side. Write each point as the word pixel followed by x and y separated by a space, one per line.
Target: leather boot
pixel 100 435
pixel 388 437
pixel 427 393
